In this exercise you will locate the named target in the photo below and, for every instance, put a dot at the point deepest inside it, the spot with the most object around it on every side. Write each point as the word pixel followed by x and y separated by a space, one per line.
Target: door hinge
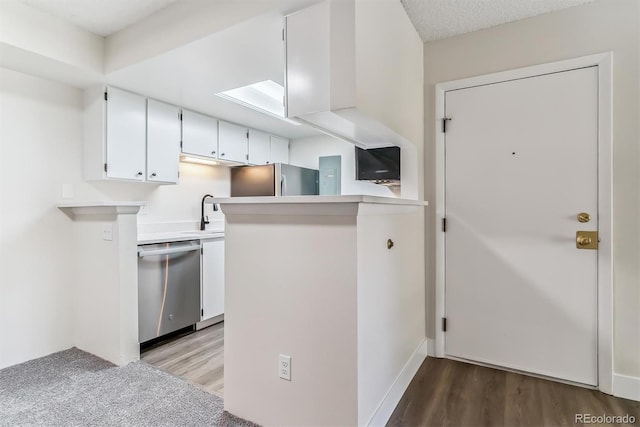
pixel 106 96
pixel 444 324
pixel 105 167
pixel 181 145
pixel 178 174
pixel 444 124
pixel 201 251
pixel 444 225
pixel 202 312
pixel 247 134
pixel 180 116
pixel 247 156
pixel 283 34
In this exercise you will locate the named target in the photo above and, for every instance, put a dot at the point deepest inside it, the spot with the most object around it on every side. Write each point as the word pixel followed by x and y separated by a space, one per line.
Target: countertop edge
pixel 317 200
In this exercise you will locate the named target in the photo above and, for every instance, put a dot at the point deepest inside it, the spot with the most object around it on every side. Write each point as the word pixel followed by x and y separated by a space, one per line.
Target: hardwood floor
pixel 443 392
pixel 450 393
pixel 197 357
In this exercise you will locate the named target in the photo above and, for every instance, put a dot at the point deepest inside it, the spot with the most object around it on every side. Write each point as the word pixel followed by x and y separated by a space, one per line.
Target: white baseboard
pixel 399 386
pixel 626 387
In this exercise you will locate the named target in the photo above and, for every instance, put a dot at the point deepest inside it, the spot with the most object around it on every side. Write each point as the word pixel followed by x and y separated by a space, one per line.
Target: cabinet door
pixel 232 142
pixel 126 135
pixel 279 150
pixel 163 142
pixel 259 148
pixel 199 134
pixel 212 278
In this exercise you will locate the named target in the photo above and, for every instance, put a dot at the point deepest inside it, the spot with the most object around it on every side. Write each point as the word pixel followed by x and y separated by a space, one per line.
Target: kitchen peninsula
pixel 334 282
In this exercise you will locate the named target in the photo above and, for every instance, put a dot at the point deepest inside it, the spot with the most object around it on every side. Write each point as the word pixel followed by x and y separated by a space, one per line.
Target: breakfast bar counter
pixel 337 284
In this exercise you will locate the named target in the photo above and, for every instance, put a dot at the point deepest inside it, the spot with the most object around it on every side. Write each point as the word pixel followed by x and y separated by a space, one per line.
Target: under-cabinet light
pixel 199 160
pixel 266 97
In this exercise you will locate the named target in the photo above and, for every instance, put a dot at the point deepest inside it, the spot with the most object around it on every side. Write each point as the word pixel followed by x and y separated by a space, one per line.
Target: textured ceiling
pixel 438 19
pixel 434 19
pixel 102 17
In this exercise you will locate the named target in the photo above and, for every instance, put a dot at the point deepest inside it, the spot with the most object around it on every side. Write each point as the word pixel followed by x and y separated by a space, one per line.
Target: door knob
pixel 587 239
pixel 583 240
pixel 583 217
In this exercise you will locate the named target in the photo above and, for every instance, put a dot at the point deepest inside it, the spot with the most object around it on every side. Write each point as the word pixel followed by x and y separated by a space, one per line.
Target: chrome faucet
pixel 204 220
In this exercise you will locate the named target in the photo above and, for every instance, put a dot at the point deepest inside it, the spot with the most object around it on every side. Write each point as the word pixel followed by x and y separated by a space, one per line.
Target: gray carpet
pixel 74 388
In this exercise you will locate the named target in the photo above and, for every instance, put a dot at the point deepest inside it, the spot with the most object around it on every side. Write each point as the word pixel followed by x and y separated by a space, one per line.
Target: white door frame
pixel 604 62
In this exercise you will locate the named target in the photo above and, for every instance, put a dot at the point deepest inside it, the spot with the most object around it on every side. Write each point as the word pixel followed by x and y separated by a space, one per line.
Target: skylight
pixel 266 97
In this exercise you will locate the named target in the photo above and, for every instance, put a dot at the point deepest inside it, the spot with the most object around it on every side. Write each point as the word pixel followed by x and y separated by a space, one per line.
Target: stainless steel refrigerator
pixel 273 180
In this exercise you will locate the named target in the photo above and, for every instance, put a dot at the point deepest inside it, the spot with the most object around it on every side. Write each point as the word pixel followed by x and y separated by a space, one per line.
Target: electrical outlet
pixel 107 232
pixel 284 367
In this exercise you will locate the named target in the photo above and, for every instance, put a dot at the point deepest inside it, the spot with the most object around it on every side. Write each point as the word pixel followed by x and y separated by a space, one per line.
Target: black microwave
pixel 381 165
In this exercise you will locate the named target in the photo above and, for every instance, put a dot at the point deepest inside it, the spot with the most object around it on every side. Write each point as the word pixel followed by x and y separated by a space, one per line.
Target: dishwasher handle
pixel 175 250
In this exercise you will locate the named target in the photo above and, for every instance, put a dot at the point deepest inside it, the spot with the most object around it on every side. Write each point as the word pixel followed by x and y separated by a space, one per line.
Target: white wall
pixel 306 152
pixel 40 150
pixel 39 135
pixel 389 75
pixel 183 22
pixel 390 296
pixel 289 302
pixel 38 43
pixel 167 204
pixel 604 25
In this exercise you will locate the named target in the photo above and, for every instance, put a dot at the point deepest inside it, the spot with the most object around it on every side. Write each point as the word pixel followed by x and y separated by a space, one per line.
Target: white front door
pixel 521 161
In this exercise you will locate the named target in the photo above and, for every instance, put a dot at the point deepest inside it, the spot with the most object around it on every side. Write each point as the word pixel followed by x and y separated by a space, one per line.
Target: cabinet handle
pixel 222 154
pixel 139 173
pixel 153 175
pixel 213 152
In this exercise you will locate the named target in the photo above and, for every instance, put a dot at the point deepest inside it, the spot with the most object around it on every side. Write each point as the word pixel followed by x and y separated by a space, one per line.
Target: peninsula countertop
pixel 317 200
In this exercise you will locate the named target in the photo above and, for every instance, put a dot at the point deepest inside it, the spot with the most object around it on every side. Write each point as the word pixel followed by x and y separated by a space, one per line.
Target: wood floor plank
pixel 443 392
pixel 449 393
pixel 197 357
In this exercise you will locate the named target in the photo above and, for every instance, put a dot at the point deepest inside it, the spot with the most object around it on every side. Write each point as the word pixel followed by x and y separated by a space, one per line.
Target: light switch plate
pixel 68 191
pixel 107 232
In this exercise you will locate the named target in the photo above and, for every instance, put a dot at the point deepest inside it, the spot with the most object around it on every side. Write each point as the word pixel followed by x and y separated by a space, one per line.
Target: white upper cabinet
pixel 163 142
pixel 127 139
pixel 199 134
pixel 346 76
pixel 232 142
pixel 259 147
pixel 126 135
pixel 279 150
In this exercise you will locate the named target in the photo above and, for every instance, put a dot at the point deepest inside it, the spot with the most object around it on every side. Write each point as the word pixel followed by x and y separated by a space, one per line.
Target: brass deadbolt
pixel 583 217
pixel 587 239
pixel 389 243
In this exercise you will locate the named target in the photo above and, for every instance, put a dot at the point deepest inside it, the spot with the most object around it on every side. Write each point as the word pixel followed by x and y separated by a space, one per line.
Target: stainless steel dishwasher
pixel 168 288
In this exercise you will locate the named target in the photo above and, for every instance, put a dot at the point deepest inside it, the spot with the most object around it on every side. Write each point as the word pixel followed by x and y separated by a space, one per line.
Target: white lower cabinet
pixel 212 278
